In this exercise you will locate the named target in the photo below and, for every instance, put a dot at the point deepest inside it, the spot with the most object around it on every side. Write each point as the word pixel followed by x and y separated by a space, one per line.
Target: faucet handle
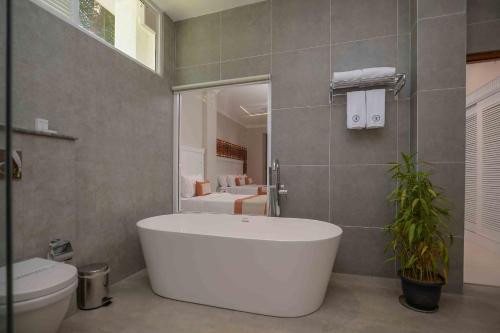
pixel 282 190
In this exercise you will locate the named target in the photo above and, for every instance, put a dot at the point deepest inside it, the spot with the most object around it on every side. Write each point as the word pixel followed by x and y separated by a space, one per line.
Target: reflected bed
pixel 226 203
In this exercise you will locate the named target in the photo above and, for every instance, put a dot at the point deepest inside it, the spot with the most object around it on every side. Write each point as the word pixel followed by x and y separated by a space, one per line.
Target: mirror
pixel 223 150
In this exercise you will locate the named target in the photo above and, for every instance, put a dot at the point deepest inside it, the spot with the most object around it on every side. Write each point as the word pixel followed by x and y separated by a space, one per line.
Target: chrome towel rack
pixel 393 83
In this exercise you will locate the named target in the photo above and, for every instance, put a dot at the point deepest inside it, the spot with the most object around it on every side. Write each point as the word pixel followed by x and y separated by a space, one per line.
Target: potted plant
pixel 419 235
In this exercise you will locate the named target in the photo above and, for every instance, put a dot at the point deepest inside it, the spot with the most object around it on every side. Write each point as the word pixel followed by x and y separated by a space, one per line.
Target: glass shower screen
pixel 5 308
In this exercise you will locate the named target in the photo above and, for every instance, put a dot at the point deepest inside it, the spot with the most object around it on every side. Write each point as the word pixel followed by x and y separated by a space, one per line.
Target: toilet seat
pixel 40 302
pixel 39 282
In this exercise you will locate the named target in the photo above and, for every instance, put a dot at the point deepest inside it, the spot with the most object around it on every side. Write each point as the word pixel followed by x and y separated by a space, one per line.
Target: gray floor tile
pixel 353 304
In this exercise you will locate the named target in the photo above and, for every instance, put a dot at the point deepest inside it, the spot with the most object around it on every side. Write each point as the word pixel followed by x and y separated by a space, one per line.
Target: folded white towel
pixel 375 108
pixel 348 76
pixel 356 110
pixel 376 72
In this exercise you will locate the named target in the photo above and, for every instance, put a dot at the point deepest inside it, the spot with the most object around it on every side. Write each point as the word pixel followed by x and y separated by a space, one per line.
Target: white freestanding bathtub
pixel 266 265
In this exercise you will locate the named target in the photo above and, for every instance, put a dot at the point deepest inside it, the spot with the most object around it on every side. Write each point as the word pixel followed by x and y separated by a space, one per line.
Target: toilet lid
pixel 38 277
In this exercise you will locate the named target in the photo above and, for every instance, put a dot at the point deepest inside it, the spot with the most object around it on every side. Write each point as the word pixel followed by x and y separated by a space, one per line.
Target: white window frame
pixel 179 90
pixel 74 20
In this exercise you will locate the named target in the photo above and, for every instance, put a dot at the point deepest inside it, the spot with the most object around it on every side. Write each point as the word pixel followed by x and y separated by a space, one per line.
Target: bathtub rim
pixel 339 231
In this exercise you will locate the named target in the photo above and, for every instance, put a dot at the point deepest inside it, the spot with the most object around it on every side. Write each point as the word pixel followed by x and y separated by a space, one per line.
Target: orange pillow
pixel 238 181
pixel 203 188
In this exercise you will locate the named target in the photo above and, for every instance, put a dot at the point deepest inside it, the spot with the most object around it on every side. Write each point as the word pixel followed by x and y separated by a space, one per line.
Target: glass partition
pixel 5 309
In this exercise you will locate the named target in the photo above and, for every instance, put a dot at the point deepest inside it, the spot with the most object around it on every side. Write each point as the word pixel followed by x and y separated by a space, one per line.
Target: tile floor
pixel 353 304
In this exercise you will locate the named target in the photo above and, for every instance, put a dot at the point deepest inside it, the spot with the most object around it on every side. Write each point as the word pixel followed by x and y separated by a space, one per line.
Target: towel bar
pixel 393 83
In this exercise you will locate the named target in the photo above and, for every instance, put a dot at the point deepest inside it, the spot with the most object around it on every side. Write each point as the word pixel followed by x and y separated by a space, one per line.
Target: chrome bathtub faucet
pixel 277 191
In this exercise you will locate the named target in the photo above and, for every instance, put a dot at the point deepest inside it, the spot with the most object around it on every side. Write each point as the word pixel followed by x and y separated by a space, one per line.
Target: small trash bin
pixel 93 286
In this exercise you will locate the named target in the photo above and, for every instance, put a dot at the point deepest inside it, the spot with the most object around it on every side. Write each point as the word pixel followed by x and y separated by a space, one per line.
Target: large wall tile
pixel 246 31
pixel 361 251
pixel 413 124
pixel 246 67
pixel 169 48
pixel 450 179
pixel 301 78
pixel 86 194
pixel 404 20
pixel 301 135
pixel 368 146
pixel 371 19
pixel 441 125
pixel 47 181
pixel 403 64
pixel 49 202
pixel 197 74
pixel 17 217
pixel 404 126
pixel 368 53
pixel 413 60
pixel 308 192
pixel 482 10
pixel 437 37
pixel 300 24
pixel 359 195
pixel 198 40
pixel 456 269
pixel 483 37
pixel 431 8
pixel 413 13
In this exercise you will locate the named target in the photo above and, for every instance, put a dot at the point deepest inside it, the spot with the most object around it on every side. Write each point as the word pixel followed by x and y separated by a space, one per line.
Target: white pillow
pixel 231 181
pixel 222 181
pixel 188 188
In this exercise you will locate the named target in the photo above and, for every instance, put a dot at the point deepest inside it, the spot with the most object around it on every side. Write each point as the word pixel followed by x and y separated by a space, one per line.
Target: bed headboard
pixel 192 161
pixel 227 166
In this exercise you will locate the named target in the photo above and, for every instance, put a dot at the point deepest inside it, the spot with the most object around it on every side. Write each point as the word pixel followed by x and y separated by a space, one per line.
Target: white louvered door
pixel 482 168
pixel 471 171
pixel 490 171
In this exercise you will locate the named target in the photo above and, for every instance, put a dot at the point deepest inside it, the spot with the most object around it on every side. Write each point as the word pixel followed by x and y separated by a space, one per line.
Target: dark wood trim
pixel 230 150
pixel 483 56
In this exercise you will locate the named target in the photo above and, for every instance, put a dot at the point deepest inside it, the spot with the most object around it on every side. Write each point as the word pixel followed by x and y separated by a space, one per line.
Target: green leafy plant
pixel 419 232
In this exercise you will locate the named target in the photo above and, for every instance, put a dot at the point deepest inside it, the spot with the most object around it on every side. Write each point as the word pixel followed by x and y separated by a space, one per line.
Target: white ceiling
pixel 253 98
pixel 183 9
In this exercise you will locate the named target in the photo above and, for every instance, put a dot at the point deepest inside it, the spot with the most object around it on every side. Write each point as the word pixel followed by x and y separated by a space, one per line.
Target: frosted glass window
pixel 131 26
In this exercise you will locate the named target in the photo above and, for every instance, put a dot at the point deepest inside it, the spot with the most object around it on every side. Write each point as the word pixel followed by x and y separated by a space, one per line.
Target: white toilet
pixel 42 294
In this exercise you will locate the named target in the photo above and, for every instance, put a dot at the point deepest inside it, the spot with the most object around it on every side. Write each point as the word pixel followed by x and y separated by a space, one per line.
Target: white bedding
pixel 222 203
pixel 243 189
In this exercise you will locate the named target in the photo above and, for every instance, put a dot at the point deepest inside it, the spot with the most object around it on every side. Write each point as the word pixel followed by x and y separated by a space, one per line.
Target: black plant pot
pixel 420 295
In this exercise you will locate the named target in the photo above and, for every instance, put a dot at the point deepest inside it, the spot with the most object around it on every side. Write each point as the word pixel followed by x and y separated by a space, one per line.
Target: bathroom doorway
pixel 482 174
pixel 222 149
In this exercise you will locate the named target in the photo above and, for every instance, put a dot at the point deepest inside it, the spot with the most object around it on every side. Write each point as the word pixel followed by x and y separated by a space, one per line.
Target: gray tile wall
pixel 438 107
pixel 94 190
pixel 483 25
pixel 332 174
